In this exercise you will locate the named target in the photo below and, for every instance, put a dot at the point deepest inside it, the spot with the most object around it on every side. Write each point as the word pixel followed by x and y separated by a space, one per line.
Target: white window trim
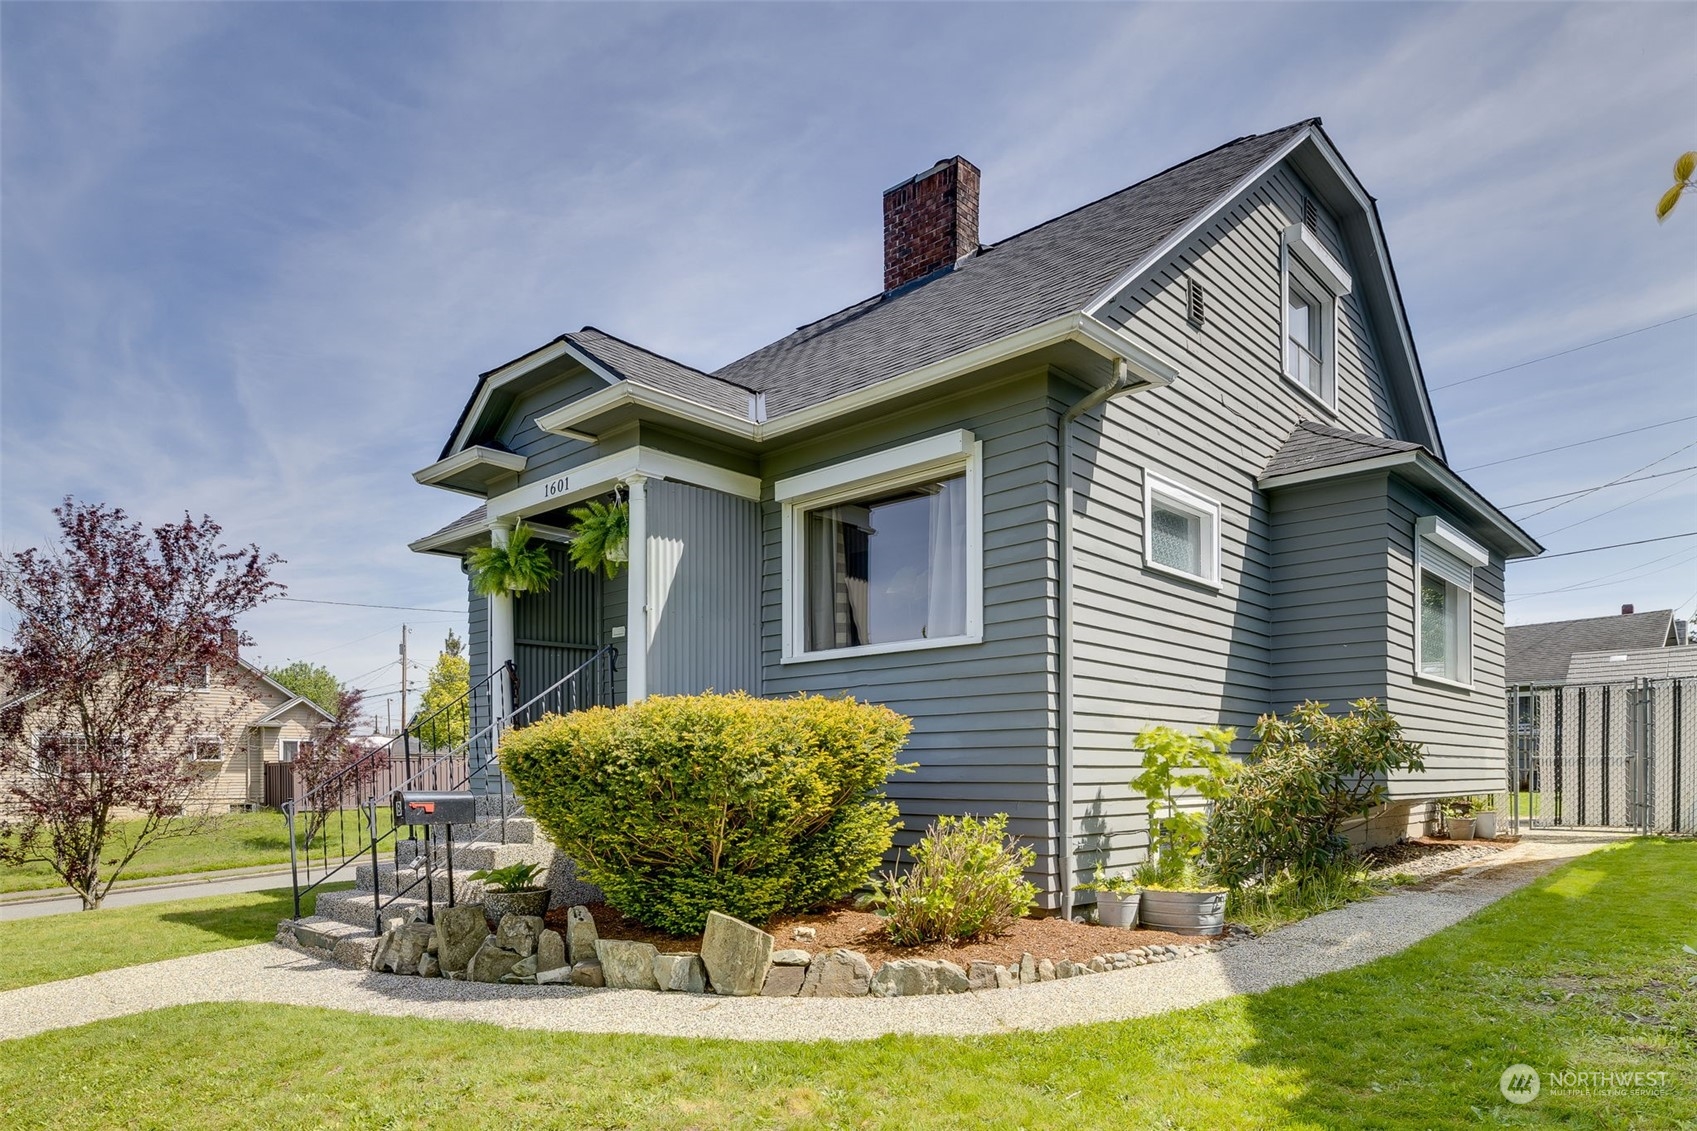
pixel 900 466
pixel 281 742
pixel 1303 258
pixel 1430 529
pixel 41 736
pixel 209 739
pixel 1205 508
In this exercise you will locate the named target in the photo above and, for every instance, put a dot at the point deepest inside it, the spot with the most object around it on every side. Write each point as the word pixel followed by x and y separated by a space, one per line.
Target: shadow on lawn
pixel 251 916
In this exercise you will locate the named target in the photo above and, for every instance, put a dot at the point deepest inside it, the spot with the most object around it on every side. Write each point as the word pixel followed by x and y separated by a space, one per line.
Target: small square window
pixel 1180 531
pixel 288 749
pixel 206 748
pixel 193 677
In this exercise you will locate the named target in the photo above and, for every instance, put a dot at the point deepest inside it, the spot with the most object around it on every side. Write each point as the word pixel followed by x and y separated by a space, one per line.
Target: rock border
pixel 737 959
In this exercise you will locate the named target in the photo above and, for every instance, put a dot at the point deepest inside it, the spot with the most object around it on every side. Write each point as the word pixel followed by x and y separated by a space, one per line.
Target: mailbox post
pixel 435 810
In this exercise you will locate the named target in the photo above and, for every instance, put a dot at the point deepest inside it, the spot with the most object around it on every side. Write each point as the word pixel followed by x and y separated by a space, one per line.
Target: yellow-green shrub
pixel 680 805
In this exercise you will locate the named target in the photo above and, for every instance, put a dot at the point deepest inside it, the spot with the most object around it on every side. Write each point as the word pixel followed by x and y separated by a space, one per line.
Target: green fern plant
pixel 518 567
pixel 601 536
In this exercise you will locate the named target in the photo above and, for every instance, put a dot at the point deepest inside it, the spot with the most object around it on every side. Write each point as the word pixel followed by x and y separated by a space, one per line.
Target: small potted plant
pixel 1458 818
pixel 1176 894
pixel 513 890
pixel 1485 817
pixel 1116 899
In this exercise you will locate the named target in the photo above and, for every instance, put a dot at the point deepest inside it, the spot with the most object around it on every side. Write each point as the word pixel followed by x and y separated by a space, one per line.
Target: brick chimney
pixel 930 221
pixel 1626 610
pixel 230 642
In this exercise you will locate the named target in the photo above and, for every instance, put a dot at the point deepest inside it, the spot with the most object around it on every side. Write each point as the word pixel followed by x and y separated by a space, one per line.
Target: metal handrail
pixel 565 692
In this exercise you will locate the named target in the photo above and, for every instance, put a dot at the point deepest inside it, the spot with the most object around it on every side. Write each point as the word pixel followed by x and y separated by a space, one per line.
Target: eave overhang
pixel 472 470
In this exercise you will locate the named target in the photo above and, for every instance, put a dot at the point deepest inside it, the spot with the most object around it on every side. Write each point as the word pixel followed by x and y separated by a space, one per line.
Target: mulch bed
pixel 843 926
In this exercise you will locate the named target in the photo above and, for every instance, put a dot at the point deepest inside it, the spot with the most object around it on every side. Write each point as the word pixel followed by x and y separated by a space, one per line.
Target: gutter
pixel 1124 381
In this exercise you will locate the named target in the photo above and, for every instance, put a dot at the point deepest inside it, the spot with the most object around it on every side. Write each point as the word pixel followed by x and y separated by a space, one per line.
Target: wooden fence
pixel 283 784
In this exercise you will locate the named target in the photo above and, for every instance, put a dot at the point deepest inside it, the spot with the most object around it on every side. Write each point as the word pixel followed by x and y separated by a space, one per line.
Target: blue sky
pixel 254 255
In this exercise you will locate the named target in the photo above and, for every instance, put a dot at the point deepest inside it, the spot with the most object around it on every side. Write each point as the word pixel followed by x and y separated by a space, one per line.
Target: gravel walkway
pixel 1333 941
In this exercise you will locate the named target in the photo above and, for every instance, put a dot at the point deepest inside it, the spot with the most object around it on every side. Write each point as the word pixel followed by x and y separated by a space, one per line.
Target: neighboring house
pixel 263 722
pixel 1167 458
pixel 1613 649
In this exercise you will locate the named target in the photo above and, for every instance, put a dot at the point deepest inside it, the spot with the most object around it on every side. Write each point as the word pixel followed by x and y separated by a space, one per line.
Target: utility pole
pixel 404 672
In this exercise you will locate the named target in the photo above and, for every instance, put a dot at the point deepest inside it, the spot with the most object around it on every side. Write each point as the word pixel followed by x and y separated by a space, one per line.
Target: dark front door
pixel 556 631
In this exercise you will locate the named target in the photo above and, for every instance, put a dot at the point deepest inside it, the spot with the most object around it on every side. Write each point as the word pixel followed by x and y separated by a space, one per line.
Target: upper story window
pixel 51 748
pixel 1313 282
pixel 1181 531
pixel 884 553
pixel 1444 561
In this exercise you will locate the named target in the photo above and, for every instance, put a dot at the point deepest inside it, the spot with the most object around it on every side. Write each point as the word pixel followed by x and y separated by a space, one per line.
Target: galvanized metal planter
pixel 1117 908
pixel 1460 828
pixel 1184 912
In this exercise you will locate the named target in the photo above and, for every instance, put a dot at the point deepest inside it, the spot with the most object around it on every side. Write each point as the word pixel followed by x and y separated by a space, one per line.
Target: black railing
pixel 486 717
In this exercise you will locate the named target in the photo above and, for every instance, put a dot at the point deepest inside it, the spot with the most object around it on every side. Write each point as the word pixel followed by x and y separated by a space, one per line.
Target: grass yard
pixel 1583 970
pixel 52 947
pixel 232 840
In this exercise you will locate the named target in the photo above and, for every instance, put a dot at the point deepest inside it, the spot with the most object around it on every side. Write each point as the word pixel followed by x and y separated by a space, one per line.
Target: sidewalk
pixel 153 889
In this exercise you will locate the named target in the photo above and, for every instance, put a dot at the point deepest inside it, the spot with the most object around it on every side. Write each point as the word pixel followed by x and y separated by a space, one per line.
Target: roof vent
pixel 1195 309
pixel 1310 214
pixel 1626 610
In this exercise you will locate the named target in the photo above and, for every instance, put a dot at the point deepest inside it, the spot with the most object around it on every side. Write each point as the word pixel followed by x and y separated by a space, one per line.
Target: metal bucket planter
pixel 1485 826
pixel 497 904
pixel 1184 912
pixel 1461 828
pixel 1117 908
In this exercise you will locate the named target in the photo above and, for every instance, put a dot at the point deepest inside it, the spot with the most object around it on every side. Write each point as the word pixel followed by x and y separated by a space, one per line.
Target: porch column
pixel 501 649
pixel 636 599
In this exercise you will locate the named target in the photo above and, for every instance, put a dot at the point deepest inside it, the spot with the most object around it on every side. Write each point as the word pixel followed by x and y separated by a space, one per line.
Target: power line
pixel 1610 546
pixel 1616 578
pixel 1565 352
pixel 1620 506
pixel 1575 444
pixel 363 605
pixel 1611 483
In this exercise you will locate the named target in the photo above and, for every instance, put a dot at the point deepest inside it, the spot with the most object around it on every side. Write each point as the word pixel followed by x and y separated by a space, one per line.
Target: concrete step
pixel 335 940
pixel 387 878
pixel 487 854
pixel 489 806
pixel 355 908
pixel 518 830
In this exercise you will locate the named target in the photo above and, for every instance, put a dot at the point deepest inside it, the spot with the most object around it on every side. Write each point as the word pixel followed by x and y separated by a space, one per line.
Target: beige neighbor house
pixel 258 721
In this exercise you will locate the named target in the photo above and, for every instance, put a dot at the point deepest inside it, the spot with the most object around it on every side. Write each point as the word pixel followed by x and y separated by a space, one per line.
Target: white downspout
pixel 1121 383
pixel 636 596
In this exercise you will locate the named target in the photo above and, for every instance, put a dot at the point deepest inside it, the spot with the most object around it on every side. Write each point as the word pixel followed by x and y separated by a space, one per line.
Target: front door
pixel 557 631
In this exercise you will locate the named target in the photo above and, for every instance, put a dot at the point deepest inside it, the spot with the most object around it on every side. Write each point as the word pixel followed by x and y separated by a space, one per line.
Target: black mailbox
pixel 419 808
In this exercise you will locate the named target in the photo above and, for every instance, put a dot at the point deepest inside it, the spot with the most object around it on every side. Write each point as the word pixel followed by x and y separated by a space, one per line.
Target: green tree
pixel 443 716
pixel 313 681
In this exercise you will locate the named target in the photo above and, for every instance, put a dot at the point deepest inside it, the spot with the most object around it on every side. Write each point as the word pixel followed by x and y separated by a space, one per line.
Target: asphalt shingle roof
pixel 472 520
pixel 1044 272
pixel 1542 653
pixel 1312 445
pixel 645 367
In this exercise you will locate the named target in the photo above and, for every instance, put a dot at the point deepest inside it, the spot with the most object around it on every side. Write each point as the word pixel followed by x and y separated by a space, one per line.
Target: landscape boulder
pixel 550 953
pixel 580 935
pixel 491 963
pixel 784 981
pixel 837 973
pixel 680 973
pixel 736 954
pixel 517 933
pixel 587 973
pixel 402 947
pixel 459 932
pixel 627 965
pixel 912 977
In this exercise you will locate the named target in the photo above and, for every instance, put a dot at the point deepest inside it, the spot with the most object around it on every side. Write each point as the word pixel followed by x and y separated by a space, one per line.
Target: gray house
pixel 1167 458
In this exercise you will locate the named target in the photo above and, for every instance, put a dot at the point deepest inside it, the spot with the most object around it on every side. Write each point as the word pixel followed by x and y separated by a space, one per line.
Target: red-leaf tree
pixel 117 630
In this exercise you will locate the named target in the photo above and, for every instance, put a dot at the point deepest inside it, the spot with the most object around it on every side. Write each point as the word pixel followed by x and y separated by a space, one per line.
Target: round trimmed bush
pixel 684 804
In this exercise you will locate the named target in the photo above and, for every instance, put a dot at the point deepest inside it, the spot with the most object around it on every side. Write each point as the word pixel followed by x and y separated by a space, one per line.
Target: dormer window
pixel 1314 281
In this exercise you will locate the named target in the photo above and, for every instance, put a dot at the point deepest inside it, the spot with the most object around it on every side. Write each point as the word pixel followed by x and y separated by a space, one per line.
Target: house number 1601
pixel 554 487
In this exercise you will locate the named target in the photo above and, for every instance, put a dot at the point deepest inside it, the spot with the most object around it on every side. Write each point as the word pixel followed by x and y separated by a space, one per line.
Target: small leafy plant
pixel 1119 883
pixel 967 882
pixel 517 567
pixel 514 877
pixel 601 536
pixel 1458 807
pixel 1174 761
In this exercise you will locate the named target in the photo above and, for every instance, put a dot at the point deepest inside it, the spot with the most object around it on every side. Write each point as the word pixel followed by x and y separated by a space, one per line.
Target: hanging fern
pixel 601 536
pixel 518 567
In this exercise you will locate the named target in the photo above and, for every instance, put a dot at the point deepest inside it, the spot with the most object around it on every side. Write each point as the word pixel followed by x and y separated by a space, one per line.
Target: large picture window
pixel 1444 561
pixel 884 553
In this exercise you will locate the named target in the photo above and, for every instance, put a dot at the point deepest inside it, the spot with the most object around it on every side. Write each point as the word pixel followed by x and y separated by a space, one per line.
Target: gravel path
pixel 1333 941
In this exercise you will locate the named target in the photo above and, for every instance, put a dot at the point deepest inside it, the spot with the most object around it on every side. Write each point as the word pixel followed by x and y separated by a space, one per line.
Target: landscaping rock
pixel 556 977
pixel 784 981
pixel 491 963
pixel 627 965
pixel 428 967
pixel 981 976
pixel 1006 977
pixel 550 952
pixel 580 935
pixel 680 973
pixel 587 973
pixel 517 933
pixel 795 957
pixel 837 973
pixel 912 977
pixel 736 954
pixel 402 947
pixel 1098 965
pixel 524 967
pixel 459 932
pixel 1046 970
pixel 1027 970
pixel 804 934
pixel 1067 968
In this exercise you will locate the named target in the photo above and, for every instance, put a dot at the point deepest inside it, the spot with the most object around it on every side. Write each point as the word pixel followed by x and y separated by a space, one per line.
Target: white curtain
pixel 946 611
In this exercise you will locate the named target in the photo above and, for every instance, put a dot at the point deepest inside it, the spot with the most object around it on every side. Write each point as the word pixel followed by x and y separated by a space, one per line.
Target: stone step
pixel 356 909
pixel 387 878
pixel 337 941
pixel 489 806
pixel 487 854
pixel 519 830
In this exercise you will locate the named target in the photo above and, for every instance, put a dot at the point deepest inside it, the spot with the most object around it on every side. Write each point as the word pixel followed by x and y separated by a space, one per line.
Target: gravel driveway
pixel 1336 940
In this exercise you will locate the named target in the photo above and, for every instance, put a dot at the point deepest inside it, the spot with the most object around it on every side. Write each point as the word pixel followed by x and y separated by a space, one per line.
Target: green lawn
pixel 234 840
pixel 1583 970
pixel 51 947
